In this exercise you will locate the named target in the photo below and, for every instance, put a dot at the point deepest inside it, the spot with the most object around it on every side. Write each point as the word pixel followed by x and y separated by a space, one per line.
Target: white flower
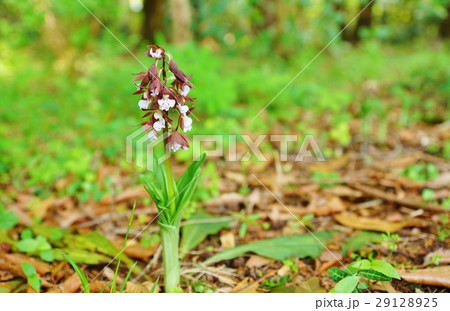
pixel 187 123
pixel 154 92
pixel 159 125
pixel 175 146
pixel 152 135
pixel 183 109
pixel 156 54
pixel 185 90
pixel 165 103
pixel 143 104
pixel 138 86
pixel 158 115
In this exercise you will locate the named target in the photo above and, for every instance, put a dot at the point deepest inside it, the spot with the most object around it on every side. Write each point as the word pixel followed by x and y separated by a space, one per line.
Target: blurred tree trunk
pixel 153 19
pixel 364 20
pixel 444 27
pixel 180 11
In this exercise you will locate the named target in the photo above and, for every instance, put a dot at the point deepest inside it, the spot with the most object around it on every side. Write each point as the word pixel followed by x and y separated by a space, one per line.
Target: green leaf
pixel 124 245
pixel 26 234
pixel 188 181
pixel 27 245
pixel 35 282
pixel 385 268
pixel 243 230
pixel 12 286
pixel 194 234
pixel 84 256
pixel 37 246
pixel 358 265
pixel 337 274
pixel 47 255
pixel 346 285
pixel 125 281
pixel 360 240
pixel 81 275
pixel 375 275
pixel 32 277
pixel 363 285
pixel 28 269
pixel 8 219
pixel 428 195
pixel 296 246
pixel 152 290
pixel 95 242
pixel 104 287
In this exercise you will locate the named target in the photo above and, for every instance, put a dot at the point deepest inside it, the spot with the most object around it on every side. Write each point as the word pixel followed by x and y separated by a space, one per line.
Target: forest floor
pixel 388 202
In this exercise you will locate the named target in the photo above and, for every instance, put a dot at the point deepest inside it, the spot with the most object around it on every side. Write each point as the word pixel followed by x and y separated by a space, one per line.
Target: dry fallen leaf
pixel 329 255
pixel 135 249
pixel 324 205
pixel 241 285
pixel 12 262
pixel 330 165
pixel 145 287
pixel 373 224
pixel 227 240
pixel 228 200
pixel 436 276
pixel 311 285
pixel 343 191
pixel 256 261
pixel 42 207
pixel 6 275
pixel 443 256
pixel 71 284
pixel 383 286
pixel 125 196
pixel 283 270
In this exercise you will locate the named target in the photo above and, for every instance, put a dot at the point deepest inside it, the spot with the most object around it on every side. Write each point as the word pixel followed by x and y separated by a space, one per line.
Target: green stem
pixel 169 241
pixel 168 164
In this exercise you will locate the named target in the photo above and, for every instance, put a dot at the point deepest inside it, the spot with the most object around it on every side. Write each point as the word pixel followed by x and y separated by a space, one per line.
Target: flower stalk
pixel 163 104
pixel 171 262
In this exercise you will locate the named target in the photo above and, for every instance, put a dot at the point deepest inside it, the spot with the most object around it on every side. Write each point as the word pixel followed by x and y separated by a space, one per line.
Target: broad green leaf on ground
pixel 375 275
pixel 346 285
pixel 89 248
pixel 36 246
pixel 8 219
pixel 360 240
pixel 203 224
pixel 83 256
pixel 95 242
pixel 33 280
pixel 385 268
pixel 299 246
pixel 52 233
pixel 4 237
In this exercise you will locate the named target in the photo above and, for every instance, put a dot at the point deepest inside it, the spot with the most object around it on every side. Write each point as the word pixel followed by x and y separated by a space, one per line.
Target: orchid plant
pixel 164 93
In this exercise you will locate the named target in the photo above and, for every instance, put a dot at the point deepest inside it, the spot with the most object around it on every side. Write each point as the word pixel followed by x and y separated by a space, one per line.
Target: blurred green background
pixel 66 105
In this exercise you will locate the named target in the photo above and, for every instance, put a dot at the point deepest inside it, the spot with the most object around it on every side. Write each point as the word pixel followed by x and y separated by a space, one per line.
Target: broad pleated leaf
pixel 298 246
